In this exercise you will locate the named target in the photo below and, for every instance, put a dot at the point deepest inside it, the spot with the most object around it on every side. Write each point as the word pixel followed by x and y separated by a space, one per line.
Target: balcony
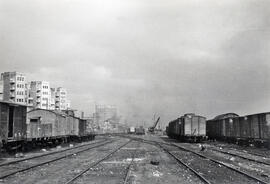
pixel 38 100
pixel 12 88
pixel 12 95
pixel 12 100
pixel 11 81
pixel 30 104
pixel 38 95
pixel 38 89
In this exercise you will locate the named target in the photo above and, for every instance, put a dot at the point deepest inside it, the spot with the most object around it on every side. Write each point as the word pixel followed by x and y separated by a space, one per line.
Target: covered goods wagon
pixel 247 129
pixel 43 123
pixel 189 127
pixel 12 124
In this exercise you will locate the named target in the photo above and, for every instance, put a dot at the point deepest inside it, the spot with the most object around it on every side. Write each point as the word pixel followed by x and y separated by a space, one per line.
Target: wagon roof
pixel 12 103
pixel 55 112
pixel 226 115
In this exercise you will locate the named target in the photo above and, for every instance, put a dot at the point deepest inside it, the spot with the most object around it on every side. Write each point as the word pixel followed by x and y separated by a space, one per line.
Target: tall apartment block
pixel 40 91
pixel 61 101
pixel 53 93
pixel 14 87
pixel 1 89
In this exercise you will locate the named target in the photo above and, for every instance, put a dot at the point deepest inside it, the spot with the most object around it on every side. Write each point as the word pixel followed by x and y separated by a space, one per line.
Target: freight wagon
pixel 12 124
pixel 20 129
pixel 131 130
pixel 189 127
pixel 249 129
pixel 54 126
pixel 140 131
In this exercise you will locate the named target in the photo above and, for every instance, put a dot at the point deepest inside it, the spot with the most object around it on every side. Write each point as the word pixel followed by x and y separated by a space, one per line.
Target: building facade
pixel 53 92
pixel 1 89
pixel 61 101
pixel 105 117
pixel 14 87
pixel 40 91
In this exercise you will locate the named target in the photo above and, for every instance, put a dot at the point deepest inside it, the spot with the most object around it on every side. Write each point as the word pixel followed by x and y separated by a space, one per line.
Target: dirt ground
pixel 136 162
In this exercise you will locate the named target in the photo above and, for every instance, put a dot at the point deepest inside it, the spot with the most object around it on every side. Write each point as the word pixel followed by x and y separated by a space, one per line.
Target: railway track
pixel 96 163
pixel 200 176
pixel 126 178
pixel 204 179
pixel 223 164
pixel 240 156
pixel 19 168
pixel 50 153
pixel 249 151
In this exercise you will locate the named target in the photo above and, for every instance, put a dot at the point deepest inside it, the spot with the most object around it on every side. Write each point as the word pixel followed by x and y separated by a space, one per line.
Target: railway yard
pixel 139 159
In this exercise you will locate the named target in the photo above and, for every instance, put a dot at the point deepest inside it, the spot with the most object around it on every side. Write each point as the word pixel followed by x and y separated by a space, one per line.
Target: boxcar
pixel 131 130
pixel 12 124
pixel 189 127
pixel 247 129
pixel 223 126
pixel 43 123
pixel 139 130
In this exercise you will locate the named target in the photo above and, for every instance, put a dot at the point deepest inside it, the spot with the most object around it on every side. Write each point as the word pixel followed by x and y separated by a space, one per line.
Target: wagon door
pixel 11 121
pixel 3 122
pixel 187 122
pixel 194 125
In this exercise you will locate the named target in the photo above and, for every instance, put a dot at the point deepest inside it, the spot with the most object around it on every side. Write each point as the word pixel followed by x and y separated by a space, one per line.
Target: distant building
pixel 1 89
pixel 29 98
pixel 53 93
pixel 40 91
pixel 14 87
pixel 105 117
pixel 61 101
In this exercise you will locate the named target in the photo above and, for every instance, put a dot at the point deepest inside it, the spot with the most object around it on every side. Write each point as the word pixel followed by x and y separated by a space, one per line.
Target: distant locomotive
pixel 189 127
pixel 249 129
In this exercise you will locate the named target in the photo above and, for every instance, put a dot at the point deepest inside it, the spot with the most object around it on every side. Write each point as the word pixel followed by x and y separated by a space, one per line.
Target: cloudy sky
pixel 145 56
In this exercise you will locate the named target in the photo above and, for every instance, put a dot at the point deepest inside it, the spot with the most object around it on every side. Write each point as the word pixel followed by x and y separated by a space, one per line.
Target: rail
pixel 52 160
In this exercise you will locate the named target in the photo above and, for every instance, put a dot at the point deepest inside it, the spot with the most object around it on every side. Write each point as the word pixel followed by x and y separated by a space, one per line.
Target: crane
pixel 152 128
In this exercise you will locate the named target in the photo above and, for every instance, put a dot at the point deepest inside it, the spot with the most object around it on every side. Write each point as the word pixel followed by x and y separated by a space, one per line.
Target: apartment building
pixel 61 101
pixel 40 91
pixel 14 87
pixel 53 93
pixel 1 90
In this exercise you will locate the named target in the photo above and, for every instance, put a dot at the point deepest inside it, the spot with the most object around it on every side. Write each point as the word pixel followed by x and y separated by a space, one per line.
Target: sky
pixel 145 56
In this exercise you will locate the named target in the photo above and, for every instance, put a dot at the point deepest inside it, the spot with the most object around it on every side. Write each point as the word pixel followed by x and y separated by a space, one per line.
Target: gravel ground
pixel 114 169
pixel 62 170
pixel 258 170
pixel 4 157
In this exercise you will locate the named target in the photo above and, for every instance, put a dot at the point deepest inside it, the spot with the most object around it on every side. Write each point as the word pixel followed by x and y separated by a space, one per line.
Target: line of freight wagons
pixel 249 129
pixel 138 130
pixel 21 129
